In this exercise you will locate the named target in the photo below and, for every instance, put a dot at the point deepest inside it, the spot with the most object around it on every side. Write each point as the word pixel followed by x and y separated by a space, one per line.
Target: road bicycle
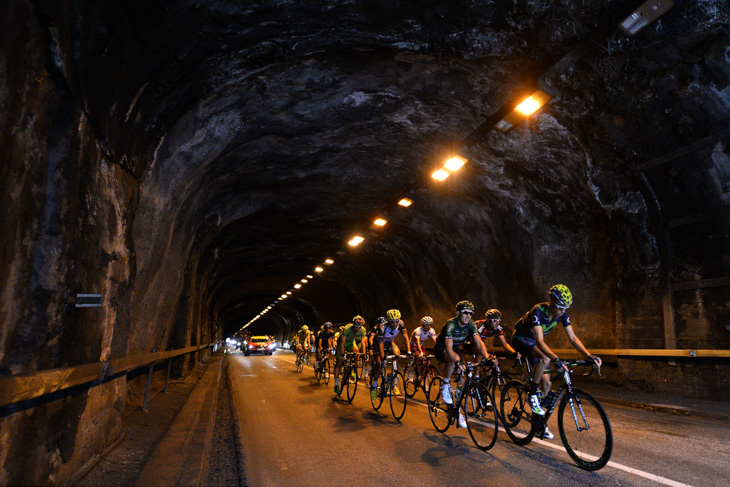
pixel 302 358
pixel 476 403
pixel 391 384
pixel 583 424
pixel 348 377
pixel 322 367
pixel 419 374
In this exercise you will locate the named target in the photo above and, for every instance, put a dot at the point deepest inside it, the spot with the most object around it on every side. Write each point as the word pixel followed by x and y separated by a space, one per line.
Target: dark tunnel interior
pixel 192 161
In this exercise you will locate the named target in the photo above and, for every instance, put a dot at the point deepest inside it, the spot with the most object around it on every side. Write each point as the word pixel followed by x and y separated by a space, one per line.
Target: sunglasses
pixel 467 312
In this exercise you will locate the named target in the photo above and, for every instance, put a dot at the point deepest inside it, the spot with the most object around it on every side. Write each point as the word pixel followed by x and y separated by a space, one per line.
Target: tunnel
pixel 189 162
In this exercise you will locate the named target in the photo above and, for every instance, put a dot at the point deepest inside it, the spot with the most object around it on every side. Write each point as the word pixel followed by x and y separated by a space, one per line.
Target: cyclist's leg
pixel 526 346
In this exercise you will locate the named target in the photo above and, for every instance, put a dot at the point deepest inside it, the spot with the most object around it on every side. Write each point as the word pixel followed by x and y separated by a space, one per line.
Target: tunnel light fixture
pixel 440 175
pixel 304 281
pixel 455 163
pixel 356 240
pixel 329 261
pixel 524 109
pixel 645 15
pixel 380 222
pixel 297 286
pixel 288 293
pixel 405 202
pixel 309 276
pixel 283 296
pixel 318 269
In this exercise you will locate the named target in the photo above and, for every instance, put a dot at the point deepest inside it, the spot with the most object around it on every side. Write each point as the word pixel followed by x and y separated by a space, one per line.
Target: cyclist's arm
pixel 540 343
pixel 575 341
pixel 408 340
pixel 478 340
pixel 363 344
pixel 449 342
pixel 506 345
pixel 342 345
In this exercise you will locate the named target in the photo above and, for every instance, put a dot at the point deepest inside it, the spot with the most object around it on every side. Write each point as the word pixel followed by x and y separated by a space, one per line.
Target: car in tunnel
pixel 259 344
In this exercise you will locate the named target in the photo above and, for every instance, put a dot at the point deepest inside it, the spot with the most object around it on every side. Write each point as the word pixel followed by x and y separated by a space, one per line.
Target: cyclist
pixel 351 334
pixel 325 340
pixel 490 327
pixel 421 335
pixel 383 344
pixel 528 339
pixel 448 344
pixel 302 340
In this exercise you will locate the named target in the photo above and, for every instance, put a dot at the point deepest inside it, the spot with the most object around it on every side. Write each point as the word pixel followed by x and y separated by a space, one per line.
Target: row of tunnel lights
pixel 643 16
pixel 523 110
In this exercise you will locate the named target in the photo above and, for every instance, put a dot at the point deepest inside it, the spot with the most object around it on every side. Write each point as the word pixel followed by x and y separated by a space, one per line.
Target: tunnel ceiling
pixel 264 134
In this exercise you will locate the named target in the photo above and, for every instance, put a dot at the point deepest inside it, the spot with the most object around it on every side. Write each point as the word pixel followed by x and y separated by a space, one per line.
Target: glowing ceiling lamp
pixel 304 281
pixel 356 240
pixel 455 163
pixel 405 202
pixel 310 276
pixel 329 261
pixel 297 286
pixel 644 15
pixel 440 175
pixel 524 109
pixel 380 222
pixel 288 292
pixel 318 269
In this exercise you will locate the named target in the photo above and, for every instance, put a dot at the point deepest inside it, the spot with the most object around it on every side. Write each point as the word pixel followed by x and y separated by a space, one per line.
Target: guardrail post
pixel 149 383
pixel 167 377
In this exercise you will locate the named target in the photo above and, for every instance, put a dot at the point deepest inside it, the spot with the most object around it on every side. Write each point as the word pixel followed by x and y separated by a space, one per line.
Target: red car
pixel 259 344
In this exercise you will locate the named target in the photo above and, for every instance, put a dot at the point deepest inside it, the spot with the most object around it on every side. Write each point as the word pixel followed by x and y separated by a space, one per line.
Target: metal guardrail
pixel 637 352
pixel 22 387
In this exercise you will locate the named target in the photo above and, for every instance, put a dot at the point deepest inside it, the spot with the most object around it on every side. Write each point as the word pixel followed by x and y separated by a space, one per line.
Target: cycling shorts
pixel 439 352
pixel 524 345
pixel 351 347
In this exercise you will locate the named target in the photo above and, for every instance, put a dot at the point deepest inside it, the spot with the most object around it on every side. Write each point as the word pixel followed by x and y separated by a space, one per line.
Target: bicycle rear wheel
pixel 398 398
pixel 318 372
pixel 326 371
pixel 481 417
pixel 300 364
pixel 585 430
pixel 437 409
pixel 426 380
pixel 351 384
pixel 516 413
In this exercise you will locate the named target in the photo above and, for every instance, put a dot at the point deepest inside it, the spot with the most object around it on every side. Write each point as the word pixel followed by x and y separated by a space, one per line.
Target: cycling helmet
pixel 328 325
pixel 461 305
pixel 493 314
pixel 561 296
pixel 393 314
pixel 426 321
pixel 382 320
pixel 358 320
pixel 305 328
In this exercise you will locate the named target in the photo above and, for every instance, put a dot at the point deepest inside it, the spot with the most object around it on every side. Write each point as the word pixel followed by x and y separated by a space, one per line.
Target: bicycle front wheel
pixel 481 417
pixel 351 383
pixel 585 430
pixel 516 413
pixel 412 382
pixel 318 372
pixel 326 371
pixel 438 410
pixel 398 396
pixel 300 364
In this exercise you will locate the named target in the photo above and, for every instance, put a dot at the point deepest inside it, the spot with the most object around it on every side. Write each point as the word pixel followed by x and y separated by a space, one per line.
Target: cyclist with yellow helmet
pixel 448 344
pixel 382 344
pixel 348 342
pixel 302 339
pixel 528 339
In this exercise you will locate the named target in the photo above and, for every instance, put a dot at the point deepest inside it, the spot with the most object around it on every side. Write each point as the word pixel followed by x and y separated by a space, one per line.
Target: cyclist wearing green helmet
pixel 448 343
pixel 528 339
pixel 348 342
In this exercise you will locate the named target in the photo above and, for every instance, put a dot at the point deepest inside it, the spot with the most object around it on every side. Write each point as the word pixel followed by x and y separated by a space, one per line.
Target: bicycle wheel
pixel 300 364
pixel 426 380
pixel 481 417
pixel 437 409
pixel 398 398
pixel 326 371
pixel 360 366
pixel 414 382
pixel 377 401
pixel 351 384
pixel 317 372
pixel 585 430
pixel 516 414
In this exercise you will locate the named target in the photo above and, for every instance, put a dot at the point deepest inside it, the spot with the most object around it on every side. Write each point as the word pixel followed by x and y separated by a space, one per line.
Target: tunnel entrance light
pixel 318 269
pixel 405 202
pixel 356 240
pixel 644 15
pixel 329 261
pixel 524 109
pixel 380 222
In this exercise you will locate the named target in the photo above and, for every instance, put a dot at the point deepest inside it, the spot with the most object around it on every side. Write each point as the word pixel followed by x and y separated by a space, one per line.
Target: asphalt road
pixel 295 432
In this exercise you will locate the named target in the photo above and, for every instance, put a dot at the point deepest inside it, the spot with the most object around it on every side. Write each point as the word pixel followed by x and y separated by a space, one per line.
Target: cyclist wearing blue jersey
pixel 528 339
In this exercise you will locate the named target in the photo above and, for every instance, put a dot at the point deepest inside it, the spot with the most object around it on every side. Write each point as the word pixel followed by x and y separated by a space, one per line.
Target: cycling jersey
pixel 302 336
pixel 452 329
pixel 388 334
pixel 351 335
pixel 422 335
pixel 538 316
pixel 486 332
pixel 324 337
